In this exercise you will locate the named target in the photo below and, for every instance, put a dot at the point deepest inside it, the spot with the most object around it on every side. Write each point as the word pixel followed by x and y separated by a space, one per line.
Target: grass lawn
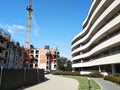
pixel 83 83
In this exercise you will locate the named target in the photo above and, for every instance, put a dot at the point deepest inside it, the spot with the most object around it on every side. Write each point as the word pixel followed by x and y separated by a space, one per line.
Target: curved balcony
pixel 96 13
pixel 101 61
pixel 107 14
pixel 91 10
pixel 83 31
pixel 101 47
pixel 108 28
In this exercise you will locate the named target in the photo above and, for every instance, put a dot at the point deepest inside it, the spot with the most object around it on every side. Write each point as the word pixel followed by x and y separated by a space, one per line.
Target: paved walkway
pixel 55 83
pixel 106 85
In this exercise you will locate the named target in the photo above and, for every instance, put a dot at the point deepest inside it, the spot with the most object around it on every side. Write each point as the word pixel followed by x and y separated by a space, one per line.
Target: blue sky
pixel 54 22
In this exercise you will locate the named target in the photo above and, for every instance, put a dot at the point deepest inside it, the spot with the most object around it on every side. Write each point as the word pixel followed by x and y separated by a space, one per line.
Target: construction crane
pixel 29 9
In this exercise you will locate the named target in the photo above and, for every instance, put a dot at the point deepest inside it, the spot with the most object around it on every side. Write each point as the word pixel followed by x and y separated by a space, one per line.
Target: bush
pixel 95 74
pixel 56 73
pixel 116 74
pixel 67 73
pixel 113 78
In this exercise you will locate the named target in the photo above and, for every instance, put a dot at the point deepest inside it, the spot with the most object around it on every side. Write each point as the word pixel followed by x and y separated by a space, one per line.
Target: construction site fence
pixel 11 79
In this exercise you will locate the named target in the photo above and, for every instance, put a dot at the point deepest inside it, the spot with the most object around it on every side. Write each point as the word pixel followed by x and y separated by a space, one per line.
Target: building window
pixel 36 65
pixel 47 67
pixel 54 66
pixel 0 50
pixel 37 52
pixel 16 64
pixel 36 60
pixel 2 41
pixel 32 52
pixel 47 62
pixel 36 56
pixel 6 54
pixel 47 57
pixel 5 61
pixel 7 45
pixel 31 65
pixel 32 56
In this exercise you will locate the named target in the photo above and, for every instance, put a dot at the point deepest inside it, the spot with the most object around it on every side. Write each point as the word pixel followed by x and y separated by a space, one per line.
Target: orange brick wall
pixel 43 56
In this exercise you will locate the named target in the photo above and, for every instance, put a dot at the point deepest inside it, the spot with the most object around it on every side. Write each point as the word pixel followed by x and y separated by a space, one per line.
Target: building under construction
pixel 44 58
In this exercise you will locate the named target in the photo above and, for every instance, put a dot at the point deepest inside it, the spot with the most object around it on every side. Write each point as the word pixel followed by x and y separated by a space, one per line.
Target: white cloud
pixel 9 27
pixel 13 28
pixel 10 30
pixel 20 27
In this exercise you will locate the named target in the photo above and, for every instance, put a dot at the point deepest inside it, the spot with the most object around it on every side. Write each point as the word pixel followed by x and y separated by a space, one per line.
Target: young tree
pixel 69 65
pixel 64 64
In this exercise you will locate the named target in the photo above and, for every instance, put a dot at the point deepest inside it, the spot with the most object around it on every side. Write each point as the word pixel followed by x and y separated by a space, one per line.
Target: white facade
pixel 97 46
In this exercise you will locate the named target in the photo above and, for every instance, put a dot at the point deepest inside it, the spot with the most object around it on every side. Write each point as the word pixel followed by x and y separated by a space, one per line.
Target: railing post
pixel 89 84
pixel 1 76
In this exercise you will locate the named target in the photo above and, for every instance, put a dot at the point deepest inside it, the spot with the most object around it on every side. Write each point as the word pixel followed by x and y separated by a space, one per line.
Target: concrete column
pixel 82 69
pixel 113 68
pixel 99 68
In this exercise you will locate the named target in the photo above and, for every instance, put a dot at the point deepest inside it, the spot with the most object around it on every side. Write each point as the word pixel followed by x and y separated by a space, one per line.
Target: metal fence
pixel 11 79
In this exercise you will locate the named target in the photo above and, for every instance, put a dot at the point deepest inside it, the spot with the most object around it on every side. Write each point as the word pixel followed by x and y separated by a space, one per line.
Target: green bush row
pixel 66 73
pixel 116 74
pixel 93 74
pixel 113 78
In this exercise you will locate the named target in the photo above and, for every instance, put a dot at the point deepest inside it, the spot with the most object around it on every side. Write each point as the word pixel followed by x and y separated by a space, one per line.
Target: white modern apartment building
pixel 97 46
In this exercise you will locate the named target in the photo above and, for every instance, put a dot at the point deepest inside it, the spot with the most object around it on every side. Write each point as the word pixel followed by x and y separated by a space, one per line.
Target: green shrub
pixel 67 73
pixel 86 75
pixel 94 74
pixel 115 79
pixel 56 73
pixel 116 74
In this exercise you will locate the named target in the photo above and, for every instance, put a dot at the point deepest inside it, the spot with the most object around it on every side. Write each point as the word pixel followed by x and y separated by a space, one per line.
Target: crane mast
pixel 29 9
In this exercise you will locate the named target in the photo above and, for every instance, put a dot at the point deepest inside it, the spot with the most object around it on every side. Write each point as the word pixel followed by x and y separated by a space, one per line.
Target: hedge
pixel 93 74
pixel 66 73
pixel 113 78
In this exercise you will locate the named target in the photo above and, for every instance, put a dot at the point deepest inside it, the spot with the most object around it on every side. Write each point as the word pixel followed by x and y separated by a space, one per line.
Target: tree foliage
pixel 64 64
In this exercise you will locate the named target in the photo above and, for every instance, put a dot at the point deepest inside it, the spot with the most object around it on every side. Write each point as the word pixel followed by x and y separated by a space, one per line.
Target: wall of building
pixel 11 53
pixel 47 58
pixel 98 43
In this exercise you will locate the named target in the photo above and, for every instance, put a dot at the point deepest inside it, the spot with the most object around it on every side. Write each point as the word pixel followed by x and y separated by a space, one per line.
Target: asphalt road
pixel 106 85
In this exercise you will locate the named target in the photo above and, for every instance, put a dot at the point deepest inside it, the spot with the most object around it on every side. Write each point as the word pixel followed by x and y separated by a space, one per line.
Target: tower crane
pixel 29 9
